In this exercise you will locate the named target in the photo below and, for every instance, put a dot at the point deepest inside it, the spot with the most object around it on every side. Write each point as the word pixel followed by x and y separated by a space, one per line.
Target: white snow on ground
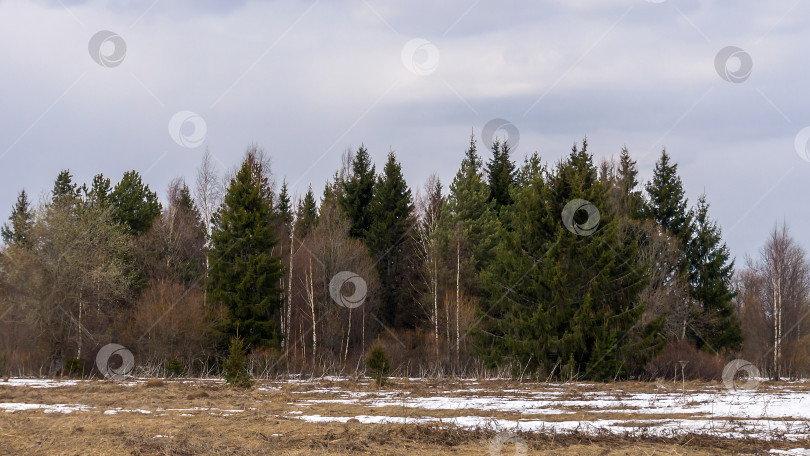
pixel 793 452
pixel 38 382
pixel 47 408
pixel 770 412
pixel 767 414
pixel 119 410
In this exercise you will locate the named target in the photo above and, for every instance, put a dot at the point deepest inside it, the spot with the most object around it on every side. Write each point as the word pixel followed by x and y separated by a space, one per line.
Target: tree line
pixel 565 270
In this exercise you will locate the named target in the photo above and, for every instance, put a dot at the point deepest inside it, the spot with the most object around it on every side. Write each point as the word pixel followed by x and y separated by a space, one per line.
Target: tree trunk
pixel 79 330
pixel 311 296
pixel 289 295
pixel 458 298
pixel 435 286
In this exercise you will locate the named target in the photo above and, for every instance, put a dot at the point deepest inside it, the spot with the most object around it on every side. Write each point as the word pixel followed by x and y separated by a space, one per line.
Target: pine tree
pixel 244 275
pixel 64 190
pixel 668 204
pixel 358 191
pixel 307 215
pixel 710 277
pixel 501 174
pixel 391 212
pixel 134 206
pixel 99 193
pixel 17 231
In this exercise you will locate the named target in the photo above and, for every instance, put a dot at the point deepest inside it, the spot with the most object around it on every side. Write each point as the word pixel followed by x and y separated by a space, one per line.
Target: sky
pixel 109 86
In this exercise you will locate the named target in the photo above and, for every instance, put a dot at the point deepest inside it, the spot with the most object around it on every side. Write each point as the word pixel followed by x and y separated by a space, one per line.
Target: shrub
pixel 700 365
pixel 378 363
pixel 234 369
pixel 4 369
pixel 73 368
pixel 174 368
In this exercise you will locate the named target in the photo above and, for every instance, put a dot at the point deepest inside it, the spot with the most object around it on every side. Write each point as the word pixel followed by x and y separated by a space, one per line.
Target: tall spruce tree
pixel 470 220
pixel 17 230
pixel 392 216
pixel 244 275
pixel 668 203
pixel 284 207
pixel 134 206
pixel 307 215
pixel 710 279
pixel 631 201
pixel 562 303
pixel 358 191
pixel 501 174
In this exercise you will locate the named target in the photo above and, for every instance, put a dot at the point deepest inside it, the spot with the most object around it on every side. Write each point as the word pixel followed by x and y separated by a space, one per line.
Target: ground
pixel 411 417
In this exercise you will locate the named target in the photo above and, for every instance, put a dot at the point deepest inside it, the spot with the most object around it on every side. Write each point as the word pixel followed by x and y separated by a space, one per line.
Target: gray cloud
pixel 306 80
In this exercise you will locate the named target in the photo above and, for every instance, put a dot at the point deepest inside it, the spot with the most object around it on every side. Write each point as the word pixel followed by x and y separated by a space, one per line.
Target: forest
pixel 572 270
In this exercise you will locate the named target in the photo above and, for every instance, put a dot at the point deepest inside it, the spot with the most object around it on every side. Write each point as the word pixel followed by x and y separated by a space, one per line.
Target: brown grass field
pixel 207 417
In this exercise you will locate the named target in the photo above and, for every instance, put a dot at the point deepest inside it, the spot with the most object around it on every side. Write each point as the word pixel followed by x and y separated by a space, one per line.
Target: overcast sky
pixel 109 86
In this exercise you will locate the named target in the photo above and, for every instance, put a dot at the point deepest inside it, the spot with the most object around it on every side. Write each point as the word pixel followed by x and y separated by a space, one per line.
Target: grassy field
pixel 405 417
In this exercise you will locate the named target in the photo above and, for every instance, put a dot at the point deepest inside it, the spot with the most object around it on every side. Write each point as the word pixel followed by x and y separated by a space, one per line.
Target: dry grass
pixel 213 427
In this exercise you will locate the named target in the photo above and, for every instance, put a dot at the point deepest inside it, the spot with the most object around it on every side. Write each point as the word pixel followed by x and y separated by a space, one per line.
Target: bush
pixel 73 368
pixel 5 372
pixel 174 368
pixel 700 365
pixel 234 369
pixel 378 363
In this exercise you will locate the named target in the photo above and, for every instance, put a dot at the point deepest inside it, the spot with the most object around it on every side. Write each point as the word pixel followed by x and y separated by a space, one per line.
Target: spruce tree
pixel 668 204
pixel 284 207
pixel 17 230
pixel 358 191
pixel 710 278
pixel 501 174
pixel 391 211
pixel 134 206
pixel 470 220
pixel 559 302
pixel 631 201
pixel 244 275
pixel 307 215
